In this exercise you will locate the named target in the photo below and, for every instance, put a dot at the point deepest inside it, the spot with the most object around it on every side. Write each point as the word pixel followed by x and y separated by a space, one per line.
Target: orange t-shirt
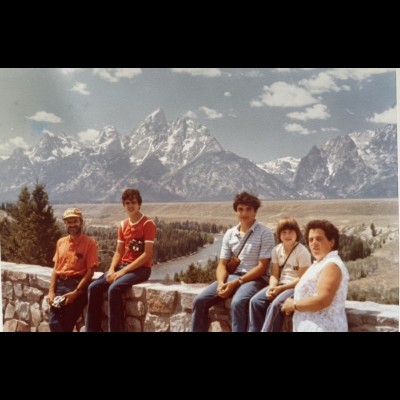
pixel 75 256
pixel 141 232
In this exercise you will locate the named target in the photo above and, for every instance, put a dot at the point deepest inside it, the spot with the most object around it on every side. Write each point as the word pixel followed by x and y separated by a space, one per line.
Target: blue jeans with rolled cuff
pixel 239 306
pixel 63 319
pixel 116 322
pixel 266 315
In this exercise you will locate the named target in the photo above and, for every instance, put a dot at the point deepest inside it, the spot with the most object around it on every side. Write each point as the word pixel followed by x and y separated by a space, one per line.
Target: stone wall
pixel 154 306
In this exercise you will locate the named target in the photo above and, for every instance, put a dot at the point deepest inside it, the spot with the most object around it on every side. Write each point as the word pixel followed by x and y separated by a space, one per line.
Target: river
pixel 202 256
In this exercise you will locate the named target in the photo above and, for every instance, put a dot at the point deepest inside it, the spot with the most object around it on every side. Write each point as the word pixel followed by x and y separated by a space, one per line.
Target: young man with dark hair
pixel 249 276
pixel 131 264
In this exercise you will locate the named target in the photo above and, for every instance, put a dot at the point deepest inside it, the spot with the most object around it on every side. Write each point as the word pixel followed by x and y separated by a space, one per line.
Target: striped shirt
pixel 258 246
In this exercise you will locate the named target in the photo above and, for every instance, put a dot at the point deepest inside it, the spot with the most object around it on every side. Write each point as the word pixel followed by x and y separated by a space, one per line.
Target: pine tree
pixel 7 243
pixel 47 230
pixel 34 231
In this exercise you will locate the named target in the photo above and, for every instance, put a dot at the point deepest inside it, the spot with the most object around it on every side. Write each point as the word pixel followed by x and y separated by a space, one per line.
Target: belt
pixel 65 277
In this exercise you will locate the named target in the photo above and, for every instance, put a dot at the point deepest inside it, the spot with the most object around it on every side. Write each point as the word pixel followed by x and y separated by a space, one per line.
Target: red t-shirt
pixel 134 236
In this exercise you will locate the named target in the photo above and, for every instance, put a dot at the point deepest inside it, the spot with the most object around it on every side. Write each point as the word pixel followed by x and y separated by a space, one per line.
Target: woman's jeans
pixel 116 320
pixel 63 319
pixel 266 315
pixel 239 306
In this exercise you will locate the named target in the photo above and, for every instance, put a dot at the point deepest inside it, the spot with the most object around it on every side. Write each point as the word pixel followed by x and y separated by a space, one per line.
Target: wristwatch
pixel 240 281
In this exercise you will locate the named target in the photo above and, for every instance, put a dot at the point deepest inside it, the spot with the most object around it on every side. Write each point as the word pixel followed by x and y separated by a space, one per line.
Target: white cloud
pixel 210 113
pixel 43 116
pixel 297 128
pixel 357 74
pixel 81 88
pixel 113 75
pixel 322 83
pixel 88 136
pixel 227 94
pixel 282 94
pixel 67 71
pixel 190 114
pixel 329 129
pixel 283 69
pixel 127 72
pixel 256 103
pixel 386 117
pixel 207 72
pixel 252 74
pixel 7 147
pixel 318 111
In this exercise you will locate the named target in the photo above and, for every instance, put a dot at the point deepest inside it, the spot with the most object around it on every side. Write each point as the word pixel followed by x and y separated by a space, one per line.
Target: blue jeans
pixel 266 315
pixel 116 322
pixel 63 319
pixel 239 306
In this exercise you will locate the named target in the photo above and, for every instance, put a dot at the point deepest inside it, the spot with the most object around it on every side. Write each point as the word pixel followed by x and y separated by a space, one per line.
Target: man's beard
pixel 75 230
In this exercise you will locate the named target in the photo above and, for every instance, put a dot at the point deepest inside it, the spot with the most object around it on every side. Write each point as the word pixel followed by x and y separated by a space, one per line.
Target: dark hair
pixel 290 224
pixel 132 194
pixel 246 199
pixel 331 232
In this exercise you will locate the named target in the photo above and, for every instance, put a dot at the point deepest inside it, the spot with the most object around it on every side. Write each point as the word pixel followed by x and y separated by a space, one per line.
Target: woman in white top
pixel 290 259
pixel 320 296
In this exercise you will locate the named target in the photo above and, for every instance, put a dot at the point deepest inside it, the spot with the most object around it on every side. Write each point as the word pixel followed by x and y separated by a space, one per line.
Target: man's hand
pixel 50 297
pixel 110 276
pixel 70 297
pixel 227 289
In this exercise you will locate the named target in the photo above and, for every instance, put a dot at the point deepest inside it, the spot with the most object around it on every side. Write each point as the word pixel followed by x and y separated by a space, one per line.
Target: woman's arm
pixel 327 286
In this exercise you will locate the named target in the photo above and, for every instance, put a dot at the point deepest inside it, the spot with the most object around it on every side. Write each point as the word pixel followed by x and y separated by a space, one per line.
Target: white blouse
pixel 332 318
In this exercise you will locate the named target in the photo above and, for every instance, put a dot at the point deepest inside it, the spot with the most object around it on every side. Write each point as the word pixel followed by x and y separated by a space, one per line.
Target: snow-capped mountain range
pixel 182 161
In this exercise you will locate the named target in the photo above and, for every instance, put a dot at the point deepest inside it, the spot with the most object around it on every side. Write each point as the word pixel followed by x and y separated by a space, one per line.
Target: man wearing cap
pixel 74 263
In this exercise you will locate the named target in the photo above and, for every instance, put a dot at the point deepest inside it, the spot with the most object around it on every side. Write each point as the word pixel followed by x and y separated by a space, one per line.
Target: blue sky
pixel 260 114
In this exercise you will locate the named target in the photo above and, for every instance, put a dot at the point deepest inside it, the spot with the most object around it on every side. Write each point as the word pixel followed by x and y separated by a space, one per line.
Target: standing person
pixel 320 296
pixel 74 263
pixel 290 259
pixel 248 277
pixel 130 265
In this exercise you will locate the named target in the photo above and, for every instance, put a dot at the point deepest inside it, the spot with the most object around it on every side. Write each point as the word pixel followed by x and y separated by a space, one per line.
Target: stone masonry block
pixel 155 323
pixel 180 322
pixel 135 308
pixel 136 292
pixel 161 301
pixel 16 276
pixel 32 294
pixel 7 290
pixel 187 301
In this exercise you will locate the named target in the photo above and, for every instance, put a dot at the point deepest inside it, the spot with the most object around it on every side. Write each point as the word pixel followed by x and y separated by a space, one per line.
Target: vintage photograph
pixel 199 200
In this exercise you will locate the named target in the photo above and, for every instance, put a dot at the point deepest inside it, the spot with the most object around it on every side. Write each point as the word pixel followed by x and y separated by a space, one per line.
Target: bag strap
pixel 241 248
pixel 287 258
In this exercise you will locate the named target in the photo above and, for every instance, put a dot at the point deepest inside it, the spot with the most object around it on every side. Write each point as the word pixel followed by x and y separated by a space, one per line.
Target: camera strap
pixel 241 247
pixel 287 258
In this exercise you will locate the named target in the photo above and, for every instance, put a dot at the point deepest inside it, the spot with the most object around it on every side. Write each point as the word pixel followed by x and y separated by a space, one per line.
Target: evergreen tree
pixel 34 231
pixel 7 243
pixel 47 231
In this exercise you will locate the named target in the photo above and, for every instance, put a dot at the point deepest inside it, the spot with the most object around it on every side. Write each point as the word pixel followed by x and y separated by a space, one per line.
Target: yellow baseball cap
pixel 73 212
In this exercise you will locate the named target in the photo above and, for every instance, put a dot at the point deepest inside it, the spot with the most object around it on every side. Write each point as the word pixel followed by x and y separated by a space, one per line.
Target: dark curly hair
pixel 331 232
pixel 132 194
pixel 247 199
